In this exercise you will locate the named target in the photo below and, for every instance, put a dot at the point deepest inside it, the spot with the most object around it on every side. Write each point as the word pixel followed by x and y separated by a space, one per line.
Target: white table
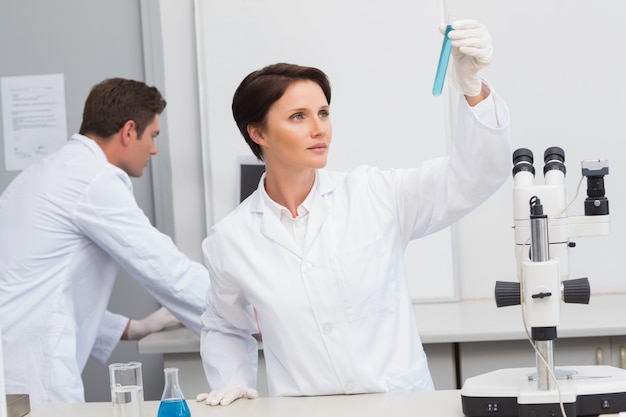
pixel 437 403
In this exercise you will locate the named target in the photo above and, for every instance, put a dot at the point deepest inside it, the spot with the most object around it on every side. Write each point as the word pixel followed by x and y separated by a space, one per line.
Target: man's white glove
pixel 471 51
pixel 227 396
pixel 154 322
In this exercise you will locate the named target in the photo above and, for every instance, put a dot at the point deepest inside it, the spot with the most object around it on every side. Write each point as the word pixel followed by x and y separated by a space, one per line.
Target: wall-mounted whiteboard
pixel 380 56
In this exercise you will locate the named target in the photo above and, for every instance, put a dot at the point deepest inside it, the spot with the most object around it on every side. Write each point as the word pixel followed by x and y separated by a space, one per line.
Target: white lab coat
pixel 336 316
pixel 66 225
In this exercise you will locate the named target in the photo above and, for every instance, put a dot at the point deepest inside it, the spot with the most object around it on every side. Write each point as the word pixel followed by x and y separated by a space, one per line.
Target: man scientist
pixel 67 224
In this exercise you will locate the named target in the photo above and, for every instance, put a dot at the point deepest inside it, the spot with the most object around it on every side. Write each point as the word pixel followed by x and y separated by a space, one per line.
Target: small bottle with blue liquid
pixel 173 402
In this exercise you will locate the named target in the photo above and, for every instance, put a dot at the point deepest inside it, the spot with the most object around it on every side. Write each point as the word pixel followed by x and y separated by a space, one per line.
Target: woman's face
pixel 298 131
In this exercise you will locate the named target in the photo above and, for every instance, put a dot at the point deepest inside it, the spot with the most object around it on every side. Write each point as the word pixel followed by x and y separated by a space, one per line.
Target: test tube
pixel 442 65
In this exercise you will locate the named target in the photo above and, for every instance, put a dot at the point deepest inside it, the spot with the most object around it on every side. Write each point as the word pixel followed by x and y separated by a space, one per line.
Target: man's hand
pixel 154 322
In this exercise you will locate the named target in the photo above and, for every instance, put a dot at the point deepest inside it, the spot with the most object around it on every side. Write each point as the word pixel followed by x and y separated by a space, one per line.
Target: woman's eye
pixel 297 116
pixel 324 113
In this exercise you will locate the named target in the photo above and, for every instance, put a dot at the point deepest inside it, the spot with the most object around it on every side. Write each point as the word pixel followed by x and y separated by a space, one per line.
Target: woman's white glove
pixel 471 51
pixel 227 396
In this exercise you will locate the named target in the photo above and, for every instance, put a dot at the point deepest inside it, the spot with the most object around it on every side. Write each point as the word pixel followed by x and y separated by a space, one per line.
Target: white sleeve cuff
pixel 109 334
pixel 487 110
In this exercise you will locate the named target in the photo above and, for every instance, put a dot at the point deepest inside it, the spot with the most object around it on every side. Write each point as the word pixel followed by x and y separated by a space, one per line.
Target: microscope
pixel 543 230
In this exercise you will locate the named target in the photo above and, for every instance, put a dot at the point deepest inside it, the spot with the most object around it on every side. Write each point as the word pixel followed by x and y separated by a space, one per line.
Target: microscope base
pixel 584 391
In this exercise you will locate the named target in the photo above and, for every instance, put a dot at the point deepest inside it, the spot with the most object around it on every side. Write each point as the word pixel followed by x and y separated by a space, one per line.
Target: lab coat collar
pixel 325 185
pixel 91 144
pixel 273 229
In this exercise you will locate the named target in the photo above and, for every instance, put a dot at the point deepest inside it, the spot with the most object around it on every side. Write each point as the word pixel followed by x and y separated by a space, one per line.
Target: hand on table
pixel 226 396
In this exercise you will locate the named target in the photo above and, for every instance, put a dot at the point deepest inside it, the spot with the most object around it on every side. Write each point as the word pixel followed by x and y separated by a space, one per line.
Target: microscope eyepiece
pixel 523 161
pixel 554 152
pixel 554 158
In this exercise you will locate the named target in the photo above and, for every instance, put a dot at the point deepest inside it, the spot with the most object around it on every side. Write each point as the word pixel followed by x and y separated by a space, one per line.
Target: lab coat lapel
pixel 271 227
pixel 319 209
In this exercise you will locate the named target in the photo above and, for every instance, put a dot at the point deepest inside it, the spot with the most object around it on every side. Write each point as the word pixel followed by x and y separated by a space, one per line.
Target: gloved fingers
pixel 474 47
pixel 251 394
pixel 202 397
pixel 154 322
pixel 480 56
pixel 215 398
pixel 477 43
pixel 463 25
pixel 227 396
pixel 463 29
pixel 236 393
pixel 231 395
pixel 471 38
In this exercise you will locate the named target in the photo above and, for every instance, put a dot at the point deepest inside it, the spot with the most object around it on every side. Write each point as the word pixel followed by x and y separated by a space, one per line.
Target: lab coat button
pixel 328 329
pixel 350 388
pixel 307 267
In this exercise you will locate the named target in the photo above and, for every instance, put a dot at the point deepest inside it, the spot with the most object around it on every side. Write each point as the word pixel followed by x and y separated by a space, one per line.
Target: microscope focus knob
pixel 576 291
pixel 507 293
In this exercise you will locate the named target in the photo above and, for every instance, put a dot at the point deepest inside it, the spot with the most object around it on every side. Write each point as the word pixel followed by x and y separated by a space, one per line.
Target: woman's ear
pixel 256 133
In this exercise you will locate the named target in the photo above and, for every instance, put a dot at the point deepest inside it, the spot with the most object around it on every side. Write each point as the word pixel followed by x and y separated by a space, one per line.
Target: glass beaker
pixel 173 402
pixel 126 389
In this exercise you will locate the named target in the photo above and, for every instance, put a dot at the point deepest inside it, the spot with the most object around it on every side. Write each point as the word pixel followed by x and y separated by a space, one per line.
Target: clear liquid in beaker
pixel 127 401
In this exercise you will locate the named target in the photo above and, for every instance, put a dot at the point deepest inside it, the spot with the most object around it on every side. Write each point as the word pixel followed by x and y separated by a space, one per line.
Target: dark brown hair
pixel 260 89
pixel 114 101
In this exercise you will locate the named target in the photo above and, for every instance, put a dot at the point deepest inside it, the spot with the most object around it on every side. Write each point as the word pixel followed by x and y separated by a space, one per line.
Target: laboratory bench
pixel 461 339
pixel 437 403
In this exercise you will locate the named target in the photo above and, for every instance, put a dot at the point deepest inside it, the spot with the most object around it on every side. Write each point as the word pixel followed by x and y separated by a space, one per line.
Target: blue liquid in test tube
pixel 442 66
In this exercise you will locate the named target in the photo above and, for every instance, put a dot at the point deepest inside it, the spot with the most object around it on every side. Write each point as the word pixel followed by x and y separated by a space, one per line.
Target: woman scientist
pixel 320 255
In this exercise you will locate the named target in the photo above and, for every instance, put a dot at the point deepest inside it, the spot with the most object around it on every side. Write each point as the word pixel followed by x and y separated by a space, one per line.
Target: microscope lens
pixel 554 158
pixel 523 161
